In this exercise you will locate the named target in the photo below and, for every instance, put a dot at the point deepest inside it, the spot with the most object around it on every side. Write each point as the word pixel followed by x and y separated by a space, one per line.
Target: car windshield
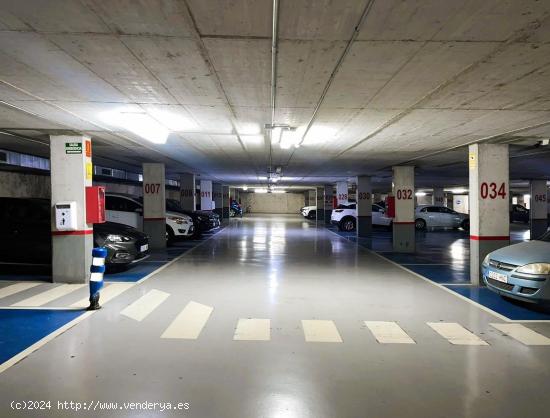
pixel 173 205
pixel 351 206
pixel 545 237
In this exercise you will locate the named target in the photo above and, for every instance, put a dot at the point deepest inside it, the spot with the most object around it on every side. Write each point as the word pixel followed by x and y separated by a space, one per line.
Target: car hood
pixel 179 215
pixel 107 228
pixel 524 253
pixel 205 213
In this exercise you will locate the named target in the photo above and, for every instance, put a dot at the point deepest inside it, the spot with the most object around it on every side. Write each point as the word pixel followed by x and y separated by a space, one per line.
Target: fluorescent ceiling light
pixel 173 121
pixel 260 190
pixel 249 128
pixel 139 123
pixel 245 187
pixel 289 139
pixel 457 191
pixel 420 194
pixel 262 178
pixel 279 191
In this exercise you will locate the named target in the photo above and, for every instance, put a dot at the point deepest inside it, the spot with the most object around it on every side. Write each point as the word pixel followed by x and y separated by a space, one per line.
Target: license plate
pixel 143 248
pixel 499 277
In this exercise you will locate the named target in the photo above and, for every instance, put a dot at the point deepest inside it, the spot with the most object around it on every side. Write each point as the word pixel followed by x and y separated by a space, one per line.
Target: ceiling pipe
pixel 274 44
pixel 349 44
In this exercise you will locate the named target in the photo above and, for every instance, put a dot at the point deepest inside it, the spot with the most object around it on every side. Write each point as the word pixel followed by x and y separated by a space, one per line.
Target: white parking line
pixel 189 322
pixel 253 329
pixel 16 288
pixel 109 292
pixel 145 305
pixel 320 331
pixel 456 334
pixel 388 332
pixel 522 334
pixel 49 295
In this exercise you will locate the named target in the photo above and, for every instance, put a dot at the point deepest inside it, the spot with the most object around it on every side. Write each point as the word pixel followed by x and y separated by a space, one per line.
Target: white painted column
pixel 342 192
pixel 206 195
pixel 488 201
pixel 329 197
pixel 320 203
pixel 154 204
pixel 71 172
pixel 538 212
pixel 364 206
pixel 438 197
pixel 312 197
pixel 187 191
pixel 403 223
pixel 225 202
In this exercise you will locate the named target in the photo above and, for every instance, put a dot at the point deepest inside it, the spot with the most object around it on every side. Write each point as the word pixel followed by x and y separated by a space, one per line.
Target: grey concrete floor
pixel 285 269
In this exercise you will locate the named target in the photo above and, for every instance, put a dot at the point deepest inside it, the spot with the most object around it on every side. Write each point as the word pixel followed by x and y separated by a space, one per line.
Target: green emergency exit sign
pixel 73 147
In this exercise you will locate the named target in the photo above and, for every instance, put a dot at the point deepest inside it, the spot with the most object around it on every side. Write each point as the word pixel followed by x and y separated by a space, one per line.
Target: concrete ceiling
pixel 416 82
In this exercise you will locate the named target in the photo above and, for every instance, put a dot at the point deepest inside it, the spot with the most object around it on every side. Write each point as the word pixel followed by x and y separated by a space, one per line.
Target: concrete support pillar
pixel 217 198
pixel 342 192
pixel 329 196
pixel 154 204
pixel 364 206
pixel 312 201
pixel 187 191
pixel 438 197
pixel 539 208
pixel 488 200
pixel 403 223
pixel 71 172
pixel 225 202
pixel 206 195
pixel 320 203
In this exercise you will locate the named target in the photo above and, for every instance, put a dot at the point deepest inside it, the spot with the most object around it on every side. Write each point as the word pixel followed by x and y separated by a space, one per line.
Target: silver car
pixel 520 271
pixel 427 216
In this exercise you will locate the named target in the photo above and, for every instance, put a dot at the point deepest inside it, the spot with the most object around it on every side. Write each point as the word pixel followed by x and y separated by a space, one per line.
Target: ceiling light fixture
pixel 245 187
pixel 139 123
pixel 263 190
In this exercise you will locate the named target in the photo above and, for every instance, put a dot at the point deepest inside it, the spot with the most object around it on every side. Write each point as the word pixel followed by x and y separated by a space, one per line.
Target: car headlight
pixel 486 260
pixel 116 238
pixel 178 220
pixel 535 268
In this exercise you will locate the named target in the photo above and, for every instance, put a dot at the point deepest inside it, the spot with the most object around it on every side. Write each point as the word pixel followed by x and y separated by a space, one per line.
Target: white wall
pixel 460 203
pixel 273 203
pixel 14 184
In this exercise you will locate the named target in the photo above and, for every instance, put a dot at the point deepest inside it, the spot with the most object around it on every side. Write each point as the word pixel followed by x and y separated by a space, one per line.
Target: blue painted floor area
pixel 21 328
pixel 133 274
pixel 443 256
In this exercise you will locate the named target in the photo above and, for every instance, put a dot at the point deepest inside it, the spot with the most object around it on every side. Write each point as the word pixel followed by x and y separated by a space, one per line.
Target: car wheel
pixel 390 226
pixel 170 236
pixel 312 214
pixel 465 225
pixel 231 213
pixel 420 224
pixel 347 224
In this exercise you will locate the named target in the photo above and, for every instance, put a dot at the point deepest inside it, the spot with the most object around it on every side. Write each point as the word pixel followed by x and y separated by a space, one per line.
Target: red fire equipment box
pixel 390 207
pixel 95 205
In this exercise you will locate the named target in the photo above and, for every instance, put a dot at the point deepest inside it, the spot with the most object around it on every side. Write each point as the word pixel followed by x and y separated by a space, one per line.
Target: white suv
pixel 309 212
pixel 127 210
pixel 345 216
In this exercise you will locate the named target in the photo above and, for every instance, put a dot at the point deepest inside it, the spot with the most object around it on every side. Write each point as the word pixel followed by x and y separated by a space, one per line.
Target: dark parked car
pixel 25 235
pixel 519 213
pixel 202 220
